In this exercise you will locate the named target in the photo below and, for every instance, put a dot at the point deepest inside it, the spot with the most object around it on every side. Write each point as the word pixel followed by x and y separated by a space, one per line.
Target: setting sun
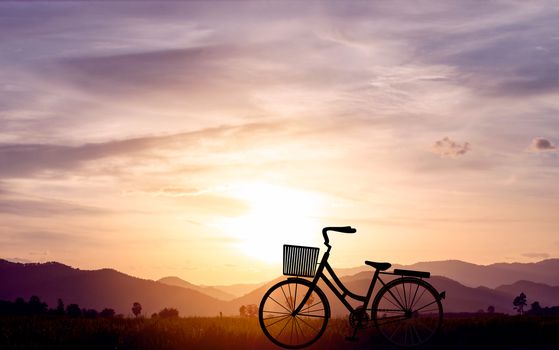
pixel 276 215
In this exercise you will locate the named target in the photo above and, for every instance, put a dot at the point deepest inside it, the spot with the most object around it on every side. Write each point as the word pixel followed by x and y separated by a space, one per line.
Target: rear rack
pixel 412 273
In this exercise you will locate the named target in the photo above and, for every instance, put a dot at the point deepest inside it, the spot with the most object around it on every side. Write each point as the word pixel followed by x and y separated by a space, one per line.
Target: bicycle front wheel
pixel 408 312
pixel 278 319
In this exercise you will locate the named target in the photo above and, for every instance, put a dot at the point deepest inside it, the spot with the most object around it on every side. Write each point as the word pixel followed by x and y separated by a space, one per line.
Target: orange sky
pixel 194 139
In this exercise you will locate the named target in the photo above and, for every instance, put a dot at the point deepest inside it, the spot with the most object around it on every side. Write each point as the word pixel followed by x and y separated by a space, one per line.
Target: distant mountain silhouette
pixel 546 295
pixel 210 291
pixel 493 275
pixel 101 288
pixel 473 275
pixel 459 297
pixel 222 292
pixel 109 288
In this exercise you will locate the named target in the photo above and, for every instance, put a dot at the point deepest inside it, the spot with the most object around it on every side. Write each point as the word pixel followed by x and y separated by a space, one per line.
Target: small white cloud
pixel 449 148
pixel 539 144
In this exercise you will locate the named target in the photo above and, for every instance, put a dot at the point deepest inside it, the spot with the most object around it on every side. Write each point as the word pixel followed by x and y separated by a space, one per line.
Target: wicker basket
pixel 299 261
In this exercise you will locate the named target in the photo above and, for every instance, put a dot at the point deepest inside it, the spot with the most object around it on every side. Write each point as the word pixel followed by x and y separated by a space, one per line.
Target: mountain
pixel 239 289
pixel 101 288
pixel 492 275
pixel 222 292
pixel 459 298
pixel 213 292
pixel 544 294
pixel 109 288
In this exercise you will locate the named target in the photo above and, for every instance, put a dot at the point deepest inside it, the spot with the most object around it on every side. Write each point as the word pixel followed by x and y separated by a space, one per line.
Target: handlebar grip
pixel 342 229
pixel 345 229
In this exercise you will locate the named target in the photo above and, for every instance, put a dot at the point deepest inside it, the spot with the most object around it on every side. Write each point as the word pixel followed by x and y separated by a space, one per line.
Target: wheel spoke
pixel 414 295
pixel 308 325
pixel 404 292
pixel 277 312
pixel 394 319
pixel 289 311
pixel 310 315
pixel 274 317
pixel 390 310
pixel 286 323
pixel 277 319
pixel 417 335
pixel 286 299
pixel 290 297
pixel 424 306
pixel 396 330
pixel 419 317
pixel 273 323
pixel 418 299
pixel 390 301
pixel 400 298
pixel 318 302
pixel 299 326
pixel 295 298
pixel 310 311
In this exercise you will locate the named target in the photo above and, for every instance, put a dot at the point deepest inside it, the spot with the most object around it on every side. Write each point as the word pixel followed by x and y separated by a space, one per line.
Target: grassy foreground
pixel 34 332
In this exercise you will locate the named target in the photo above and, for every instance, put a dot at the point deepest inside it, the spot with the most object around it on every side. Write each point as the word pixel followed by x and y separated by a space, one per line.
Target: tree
pixel 519 302
pixel 536 308
pixel 90 313
pixel 60 308
pixel 73 310
pixel 252 310
pixel 169 313
pixel 20 306
pixel 136 309
pixel 36 306
pixel 491 309
pixel 243 311
pixel 107 313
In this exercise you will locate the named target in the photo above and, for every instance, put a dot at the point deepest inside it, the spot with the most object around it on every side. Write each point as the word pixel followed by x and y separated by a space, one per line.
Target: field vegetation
pixel 243 333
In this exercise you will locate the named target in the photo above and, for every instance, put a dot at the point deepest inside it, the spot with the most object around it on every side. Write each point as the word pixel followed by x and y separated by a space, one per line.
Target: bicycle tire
pixel 408 312
pixel 276 314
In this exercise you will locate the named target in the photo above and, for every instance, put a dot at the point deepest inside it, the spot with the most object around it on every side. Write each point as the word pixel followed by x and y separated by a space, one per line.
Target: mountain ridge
pixel 110 288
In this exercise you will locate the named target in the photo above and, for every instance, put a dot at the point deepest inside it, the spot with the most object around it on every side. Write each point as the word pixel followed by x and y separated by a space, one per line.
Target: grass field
pixel 459 332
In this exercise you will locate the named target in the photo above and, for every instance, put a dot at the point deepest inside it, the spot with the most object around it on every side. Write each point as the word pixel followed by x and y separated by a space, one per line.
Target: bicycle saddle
pixel 381 266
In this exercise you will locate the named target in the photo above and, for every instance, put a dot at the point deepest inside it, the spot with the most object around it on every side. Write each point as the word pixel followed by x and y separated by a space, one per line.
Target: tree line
pixel 35 306
pixel 536 309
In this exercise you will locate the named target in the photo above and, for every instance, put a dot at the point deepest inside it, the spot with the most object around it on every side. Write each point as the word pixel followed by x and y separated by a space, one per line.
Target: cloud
pixel 24 160
pixel 166 192
pixel 45 208
pixel 540 144
pixel 19 260
pixel 536 255
pixel 448 148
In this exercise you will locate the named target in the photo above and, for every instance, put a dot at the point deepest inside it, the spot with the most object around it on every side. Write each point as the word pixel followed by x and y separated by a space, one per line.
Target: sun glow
pixel 277 215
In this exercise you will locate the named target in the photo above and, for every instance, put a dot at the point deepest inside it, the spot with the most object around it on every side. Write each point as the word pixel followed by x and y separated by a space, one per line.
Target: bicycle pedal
pixel 353 339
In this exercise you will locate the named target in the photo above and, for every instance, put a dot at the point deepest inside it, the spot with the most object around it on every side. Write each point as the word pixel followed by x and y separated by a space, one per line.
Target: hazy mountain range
pixel 98 289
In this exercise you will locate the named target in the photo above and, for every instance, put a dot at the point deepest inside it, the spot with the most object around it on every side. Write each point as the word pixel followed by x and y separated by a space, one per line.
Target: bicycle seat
pixel 381 266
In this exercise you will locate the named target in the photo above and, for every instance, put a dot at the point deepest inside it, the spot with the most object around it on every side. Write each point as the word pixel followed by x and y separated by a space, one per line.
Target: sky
pixel 194 139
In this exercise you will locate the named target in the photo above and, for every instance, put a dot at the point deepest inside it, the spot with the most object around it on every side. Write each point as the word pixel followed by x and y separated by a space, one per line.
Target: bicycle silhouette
pixel 294 313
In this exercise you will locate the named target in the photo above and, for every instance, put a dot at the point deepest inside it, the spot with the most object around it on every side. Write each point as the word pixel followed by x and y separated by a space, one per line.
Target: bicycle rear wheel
pixel 407 312
pixel 281 325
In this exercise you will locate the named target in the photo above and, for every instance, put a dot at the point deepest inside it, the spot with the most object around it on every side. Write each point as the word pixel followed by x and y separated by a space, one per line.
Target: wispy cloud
pixel 146 106
pixel 24 160
pixel 46 208
pixel 537 255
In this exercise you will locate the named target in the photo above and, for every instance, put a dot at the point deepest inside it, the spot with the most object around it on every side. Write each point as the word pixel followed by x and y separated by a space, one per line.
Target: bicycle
pixel 407 310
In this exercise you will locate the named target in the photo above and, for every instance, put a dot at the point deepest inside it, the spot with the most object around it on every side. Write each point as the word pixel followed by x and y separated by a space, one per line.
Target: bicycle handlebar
pixel 342 229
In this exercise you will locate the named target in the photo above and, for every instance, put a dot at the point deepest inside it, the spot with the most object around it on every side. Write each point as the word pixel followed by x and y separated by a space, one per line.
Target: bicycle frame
pixel 344 291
